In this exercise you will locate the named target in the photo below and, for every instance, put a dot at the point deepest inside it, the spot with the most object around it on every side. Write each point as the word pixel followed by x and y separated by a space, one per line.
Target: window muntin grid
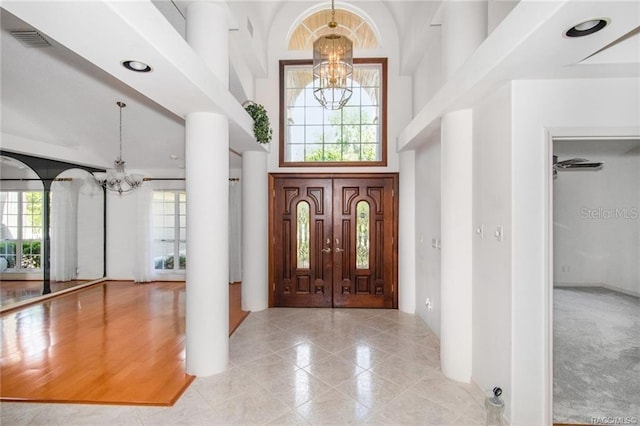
pixel 352 136
pixel 22 222
pixel 169 231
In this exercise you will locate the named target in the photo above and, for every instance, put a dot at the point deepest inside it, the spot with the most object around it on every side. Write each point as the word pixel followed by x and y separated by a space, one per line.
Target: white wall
pixel 543 109
pixel 427 78
pixel 596 222
pixel 121 211
pixel 428 178
pixel 492 257
pixel 497 10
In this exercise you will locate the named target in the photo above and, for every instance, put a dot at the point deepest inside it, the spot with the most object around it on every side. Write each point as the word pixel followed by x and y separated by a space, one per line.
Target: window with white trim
pixel 169 230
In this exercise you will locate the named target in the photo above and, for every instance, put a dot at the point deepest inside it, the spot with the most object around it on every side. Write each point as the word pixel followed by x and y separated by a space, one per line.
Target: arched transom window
pixel 349 24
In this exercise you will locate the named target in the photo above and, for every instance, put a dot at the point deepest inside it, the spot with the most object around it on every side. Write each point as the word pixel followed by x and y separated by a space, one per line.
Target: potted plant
pixel 261 125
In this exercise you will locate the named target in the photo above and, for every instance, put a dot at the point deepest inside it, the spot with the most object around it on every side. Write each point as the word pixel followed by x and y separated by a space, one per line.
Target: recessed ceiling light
pixel 587 27
pixel 136 66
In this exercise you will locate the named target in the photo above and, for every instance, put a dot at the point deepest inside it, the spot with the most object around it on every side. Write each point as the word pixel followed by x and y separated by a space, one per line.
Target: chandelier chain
pixel 117 179
pixel 120 105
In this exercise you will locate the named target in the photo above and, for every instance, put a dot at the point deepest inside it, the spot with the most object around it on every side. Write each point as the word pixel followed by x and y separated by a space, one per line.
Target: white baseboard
pixel 594 285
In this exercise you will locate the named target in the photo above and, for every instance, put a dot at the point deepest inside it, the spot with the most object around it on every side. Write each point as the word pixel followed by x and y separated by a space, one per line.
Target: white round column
pixel 464 28
pixel 457 244
pixel 207 174
pixel 207 32
pixel 255 231
pixel 207 183
pixel 407 233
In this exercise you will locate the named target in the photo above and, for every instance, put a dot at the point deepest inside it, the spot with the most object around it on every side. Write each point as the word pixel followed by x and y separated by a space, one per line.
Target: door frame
pixel 272 179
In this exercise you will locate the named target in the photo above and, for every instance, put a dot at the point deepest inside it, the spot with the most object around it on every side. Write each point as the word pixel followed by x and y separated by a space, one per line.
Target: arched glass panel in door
pixel 302 219
pixel 362 235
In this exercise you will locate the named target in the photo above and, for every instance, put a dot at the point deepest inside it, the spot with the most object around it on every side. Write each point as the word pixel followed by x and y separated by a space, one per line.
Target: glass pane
pixel 333 152
pixel 351 134
pixel 296 134
pixel 314 134
pixel 313 115
pixel 299 76
pixel 183 256
pixel 302 217
pixel 369 151
pixel 31 254
pixel 169 223
pixel 351 115
pixel 32 215
pixel 351 152
pixel 163 255
pixel 370 96
pixel 367 75
pixel 369 133
pixel 8 252
pixel 332 134
pixel 362 235
pixel 295 115
pixel 314 153
pixel 369 115
pixel 295 153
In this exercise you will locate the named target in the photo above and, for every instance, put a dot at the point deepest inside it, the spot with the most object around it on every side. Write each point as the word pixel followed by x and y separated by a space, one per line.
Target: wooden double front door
pixel 334 240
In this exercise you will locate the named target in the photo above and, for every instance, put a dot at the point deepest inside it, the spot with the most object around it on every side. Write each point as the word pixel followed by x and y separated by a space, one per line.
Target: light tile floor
pixel 304 366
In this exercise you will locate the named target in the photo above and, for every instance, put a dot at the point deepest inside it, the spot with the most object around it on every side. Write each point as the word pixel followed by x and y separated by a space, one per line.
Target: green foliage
pixel 33 208
pixel 31 254
pixel 261 124
pixel 167 262
pixel 346 128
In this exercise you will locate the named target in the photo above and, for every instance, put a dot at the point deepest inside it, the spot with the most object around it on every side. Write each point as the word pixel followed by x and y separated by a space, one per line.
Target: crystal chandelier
pixel 332 67
pixel 117 179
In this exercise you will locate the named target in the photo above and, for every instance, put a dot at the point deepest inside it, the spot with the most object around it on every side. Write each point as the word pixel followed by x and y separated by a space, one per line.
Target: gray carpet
pixel 596 356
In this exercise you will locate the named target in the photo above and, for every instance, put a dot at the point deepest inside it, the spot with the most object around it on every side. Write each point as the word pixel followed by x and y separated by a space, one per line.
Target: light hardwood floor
pixel 112 343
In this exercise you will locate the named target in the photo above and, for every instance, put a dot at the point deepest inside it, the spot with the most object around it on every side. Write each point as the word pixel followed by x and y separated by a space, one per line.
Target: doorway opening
pixel 596 279
pixel 333 240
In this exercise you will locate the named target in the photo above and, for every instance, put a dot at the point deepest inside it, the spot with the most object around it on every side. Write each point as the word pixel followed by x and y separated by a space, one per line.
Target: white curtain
pixel 235 237
pixel 143 269
pixel 64 231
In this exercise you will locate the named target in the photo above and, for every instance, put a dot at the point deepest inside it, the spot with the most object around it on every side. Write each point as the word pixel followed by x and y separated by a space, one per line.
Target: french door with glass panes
pixel 334 240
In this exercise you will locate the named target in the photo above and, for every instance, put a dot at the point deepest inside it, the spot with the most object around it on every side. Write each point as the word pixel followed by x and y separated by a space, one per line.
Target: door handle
pixel 339 250
pixel 326 250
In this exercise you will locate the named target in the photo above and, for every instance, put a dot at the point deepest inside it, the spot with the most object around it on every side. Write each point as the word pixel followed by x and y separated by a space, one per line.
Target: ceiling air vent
pixel 30 38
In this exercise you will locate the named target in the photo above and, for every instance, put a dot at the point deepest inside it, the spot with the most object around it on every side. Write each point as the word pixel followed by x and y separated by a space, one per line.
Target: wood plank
pixel 112 343
pixel 16 291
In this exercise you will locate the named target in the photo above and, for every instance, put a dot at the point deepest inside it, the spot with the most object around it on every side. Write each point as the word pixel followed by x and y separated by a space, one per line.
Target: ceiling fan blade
pixel 572 161
pixel 583 166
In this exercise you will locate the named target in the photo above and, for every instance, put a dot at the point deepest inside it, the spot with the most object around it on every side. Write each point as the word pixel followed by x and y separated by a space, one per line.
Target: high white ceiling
pixel 53 95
